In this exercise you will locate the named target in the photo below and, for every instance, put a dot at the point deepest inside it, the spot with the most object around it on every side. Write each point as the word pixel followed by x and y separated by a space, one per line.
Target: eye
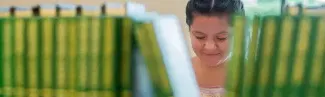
pixel 200 37
pixel 222 38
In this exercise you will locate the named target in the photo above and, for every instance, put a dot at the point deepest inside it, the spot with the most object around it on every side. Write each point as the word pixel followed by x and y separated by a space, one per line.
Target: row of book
pixel 299 9
pixel 68 10
pixel 92 55
pixel 285 57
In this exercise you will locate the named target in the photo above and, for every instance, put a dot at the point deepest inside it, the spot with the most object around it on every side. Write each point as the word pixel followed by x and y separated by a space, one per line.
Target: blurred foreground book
pixel 285 57
pixel 91 51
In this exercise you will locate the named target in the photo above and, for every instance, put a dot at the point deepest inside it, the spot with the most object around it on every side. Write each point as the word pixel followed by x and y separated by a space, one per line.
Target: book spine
pixel 145 49
pixel 32 57
pixel 126 81
pixel 94 56
pixel 108 70
pixel 305 85
pixel 61 57
pixel 235 68
pixel 301 52
pixel 318 73
pixel 82 57
pixel 2 58
pixel 287 90
pixel 274 56
pixel 6 57
pixel 256 71
pixel 47 53
pixel 158 66
pixel 72 56
pixel 281 73
pixel 249 67
pixel 268 42
pixel 19 61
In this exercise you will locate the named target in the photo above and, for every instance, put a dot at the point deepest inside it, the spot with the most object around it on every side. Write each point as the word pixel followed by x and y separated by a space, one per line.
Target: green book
pixel 47 54
pixel 301 55
pixel 108 70
pixel 94 47
pixel 82 56
pixel 126 55
pixel 149 48
pixel 268 55
pixel 175 54
pixel 318 74
pixel 252 51
pixel 283 59
pixel 61 57
pixel 235 67
pixel 20 82
pixel 32 56
pixel 7 56
pixel 72 51
pixel 2 58
pixel 306 86
pixel 160 68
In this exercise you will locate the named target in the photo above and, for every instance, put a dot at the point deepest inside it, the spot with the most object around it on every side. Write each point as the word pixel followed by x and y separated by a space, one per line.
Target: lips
pixel 213 54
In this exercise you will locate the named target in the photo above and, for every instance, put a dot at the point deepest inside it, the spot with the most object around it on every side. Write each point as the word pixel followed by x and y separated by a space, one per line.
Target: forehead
pixel 210 23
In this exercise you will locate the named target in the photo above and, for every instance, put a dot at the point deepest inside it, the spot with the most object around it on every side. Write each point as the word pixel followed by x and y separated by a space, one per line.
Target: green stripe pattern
pixel 77 56
pixel 285 57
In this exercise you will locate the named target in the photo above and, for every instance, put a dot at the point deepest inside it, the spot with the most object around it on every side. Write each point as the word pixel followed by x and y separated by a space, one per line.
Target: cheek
pixel 224 46
pixel 196 45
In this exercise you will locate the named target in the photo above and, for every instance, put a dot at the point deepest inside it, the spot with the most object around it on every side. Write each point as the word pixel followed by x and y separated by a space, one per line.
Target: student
pixel 208 22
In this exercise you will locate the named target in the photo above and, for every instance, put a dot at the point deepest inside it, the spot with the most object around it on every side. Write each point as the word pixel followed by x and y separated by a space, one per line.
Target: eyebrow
pixel 222 32
pixel 199 32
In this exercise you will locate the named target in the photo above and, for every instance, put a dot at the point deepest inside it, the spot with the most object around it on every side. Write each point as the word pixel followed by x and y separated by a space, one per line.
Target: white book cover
pixel 176 56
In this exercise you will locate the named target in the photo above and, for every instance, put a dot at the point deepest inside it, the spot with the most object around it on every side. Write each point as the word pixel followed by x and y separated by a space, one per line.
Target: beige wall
pixel 176 7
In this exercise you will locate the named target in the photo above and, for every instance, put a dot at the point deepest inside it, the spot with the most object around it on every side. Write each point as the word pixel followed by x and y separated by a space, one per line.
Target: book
pixel 317 74
pixel 2 58
pixel 93 67
pixel 82 56
pixel 287 31
pixel 19 65
pixel 279 68
pixel 302 50
pixel 307 85
pixel 175 55
pixel 252 51
pixel 32 57
pixel 235 67
pixel 73 30
pixel 61 56
pixel 125 65
pixel 268 49
pixel 108 59
pixel 47 57
pixel 149 48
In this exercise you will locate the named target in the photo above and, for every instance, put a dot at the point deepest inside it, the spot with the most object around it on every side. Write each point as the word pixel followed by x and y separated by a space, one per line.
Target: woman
pixel 208 22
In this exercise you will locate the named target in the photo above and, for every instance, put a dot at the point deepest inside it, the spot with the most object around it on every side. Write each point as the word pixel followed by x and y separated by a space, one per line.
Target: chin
pixel 213 63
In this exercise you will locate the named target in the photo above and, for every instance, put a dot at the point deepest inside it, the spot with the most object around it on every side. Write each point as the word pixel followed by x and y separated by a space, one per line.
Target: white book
pixel 176 56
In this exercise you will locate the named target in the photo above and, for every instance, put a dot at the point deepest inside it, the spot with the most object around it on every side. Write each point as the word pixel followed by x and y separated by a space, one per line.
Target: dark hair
pixel 212 7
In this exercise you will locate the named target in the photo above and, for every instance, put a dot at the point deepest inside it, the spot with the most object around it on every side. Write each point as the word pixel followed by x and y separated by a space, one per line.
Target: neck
pixel 211 76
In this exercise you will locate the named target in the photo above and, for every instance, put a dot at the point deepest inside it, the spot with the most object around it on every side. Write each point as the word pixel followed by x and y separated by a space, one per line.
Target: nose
pixel 210 45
